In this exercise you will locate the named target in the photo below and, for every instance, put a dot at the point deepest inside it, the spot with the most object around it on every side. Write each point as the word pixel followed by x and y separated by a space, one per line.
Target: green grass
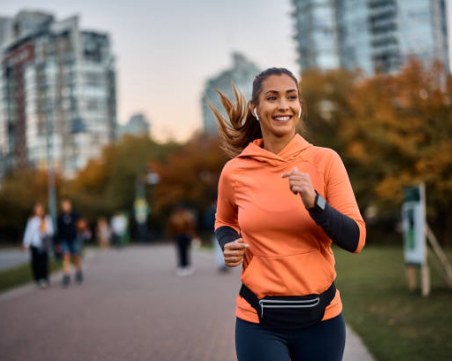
pixel 20 275
pixel 394 323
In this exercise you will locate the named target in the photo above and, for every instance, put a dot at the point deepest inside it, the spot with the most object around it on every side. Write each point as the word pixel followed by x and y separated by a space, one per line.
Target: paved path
pixel 131 307
pixel 10 258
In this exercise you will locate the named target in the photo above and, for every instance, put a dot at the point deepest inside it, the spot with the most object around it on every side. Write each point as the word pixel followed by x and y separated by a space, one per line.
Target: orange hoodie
pixel 288 254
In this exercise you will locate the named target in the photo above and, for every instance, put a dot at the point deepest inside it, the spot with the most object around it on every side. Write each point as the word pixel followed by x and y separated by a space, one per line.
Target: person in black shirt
pixel 67 238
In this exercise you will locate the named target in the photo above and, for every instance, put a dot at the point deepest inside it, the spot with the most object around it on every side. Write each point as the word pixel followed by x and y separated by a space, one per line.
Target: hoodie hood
pixel 291 151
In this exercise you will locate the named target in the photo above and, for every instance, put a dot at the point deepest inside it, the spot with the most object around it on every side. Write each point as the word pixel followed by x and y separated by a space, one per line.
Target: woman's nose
pixel 283 104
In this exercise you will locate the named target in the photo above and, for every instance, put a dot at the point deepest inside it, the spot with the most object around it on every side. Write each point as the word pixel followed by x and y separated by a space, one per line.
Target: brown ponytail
pixel 242 127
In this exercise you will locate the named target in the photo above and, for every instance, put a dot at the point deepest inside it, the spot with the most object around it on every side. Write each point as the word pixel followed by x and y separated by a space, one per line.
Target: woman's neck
pixel 276 144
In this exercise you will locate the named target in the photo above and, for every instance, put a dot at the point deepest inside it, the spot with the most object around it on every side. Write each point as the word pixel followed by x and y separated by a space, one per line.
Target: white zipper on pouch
pixel 288 304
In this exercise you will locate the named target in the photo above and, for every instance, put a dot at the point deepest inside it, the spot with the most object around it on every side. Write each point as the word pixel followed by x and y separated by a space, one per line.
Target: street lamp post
pixel 141 206
pixel 78 126
pixel 51 168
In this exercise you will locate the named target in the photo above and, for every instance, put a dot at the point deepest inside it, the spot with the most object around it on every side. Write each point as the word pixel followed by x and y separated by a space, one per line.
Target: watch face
pixel 321 202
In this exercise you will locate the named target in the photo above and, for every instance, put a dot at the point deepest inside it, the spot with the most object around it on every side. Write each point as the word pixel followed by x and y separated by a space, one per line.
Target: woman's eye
pixel 271 99
pixel 293 97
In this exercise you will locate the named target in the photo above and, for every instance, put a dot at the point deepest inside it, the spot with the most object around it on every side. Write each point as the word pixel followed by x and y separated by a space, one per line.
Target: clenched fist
pixel 300 183
pixel 234 252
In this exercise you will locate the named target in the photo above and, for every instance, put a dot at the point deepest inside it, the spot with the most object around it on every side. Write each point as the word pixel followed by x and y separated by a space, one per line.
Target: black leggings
pixel 39 264
pixel 183 242
pixel 322 342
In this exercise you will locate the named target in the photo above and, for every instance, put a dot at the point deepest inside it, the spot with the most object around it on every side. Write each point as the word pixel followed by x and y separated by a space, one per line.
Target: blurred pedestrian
pixel 69 243
pixel 119 226
pixel 282 203
pixel 181 227
pixel 37 238
pixel 83 233
pixel 103 233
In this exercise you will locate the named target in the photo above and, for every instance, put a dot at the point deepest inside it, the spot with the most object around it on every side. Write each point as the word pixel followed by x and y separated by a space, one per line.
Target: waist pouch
pixel 287 312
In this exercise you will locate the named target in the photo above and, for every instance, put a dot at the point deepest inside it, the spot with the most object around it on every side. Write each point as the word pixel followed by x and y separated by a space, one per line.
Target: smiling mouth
pixel 282 118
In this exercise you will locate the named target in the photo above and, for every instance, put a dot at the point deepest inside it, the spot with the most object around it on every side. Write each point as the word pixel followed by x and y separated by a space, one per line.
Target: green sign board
pixel 413 221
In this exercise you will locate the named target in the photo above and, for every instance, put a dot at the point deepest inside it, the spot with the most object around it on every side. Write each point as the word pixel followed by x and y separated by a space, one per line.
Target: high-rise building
pixel 355 50
pixel 6 30
pixel 422 30
pixel 57 97
pixel 316 34
pixel 373 35
pixel 138 124
pixel 242 74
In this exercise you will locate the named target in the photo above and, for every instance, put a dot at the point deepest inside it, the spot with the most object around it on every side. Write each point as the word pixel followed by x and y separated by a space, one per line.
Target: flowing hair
pixel 242 127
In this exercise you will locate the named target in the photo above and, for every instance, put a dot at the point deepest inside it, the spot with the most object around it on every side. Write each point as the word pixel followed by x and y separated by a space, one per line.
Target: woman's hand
pixel 300 183
pixel 234 252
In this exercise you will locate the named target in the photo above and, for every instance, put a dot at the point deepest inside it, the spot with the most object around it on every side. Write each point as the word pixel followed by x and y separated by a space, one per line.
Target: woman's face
pixel 279 107
pixel 39 210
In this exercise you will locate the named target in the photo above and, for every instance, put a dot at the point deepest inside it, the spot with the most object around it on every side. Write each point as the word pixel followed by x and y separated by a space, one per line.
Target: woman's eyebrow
pixel 276 92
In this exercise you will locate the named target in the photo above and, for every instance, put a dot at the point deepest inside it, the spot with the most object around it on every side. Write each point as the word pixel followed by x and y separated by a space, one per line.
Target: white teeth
pixel 282 119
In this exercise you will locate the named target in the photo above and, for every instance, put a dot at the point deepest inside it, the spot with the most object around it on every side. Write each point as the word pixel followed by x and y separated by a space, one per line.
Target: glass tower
pixel 355 41
pixel 57 93
pixel 316 34
pixel 242 74
pixel 373 35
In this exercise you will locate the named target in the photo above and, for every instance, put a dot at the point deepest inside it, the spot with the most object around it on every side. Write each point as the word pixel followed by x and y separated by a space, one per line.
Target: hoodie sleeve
pixel 28 235
pixel 226 224
pixel 339 194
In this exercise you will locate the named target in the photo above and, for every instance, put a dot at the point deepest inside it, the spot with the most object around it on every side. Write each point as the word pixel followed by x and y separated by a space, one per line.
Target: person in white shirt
pixel 119 229
pixel 37 239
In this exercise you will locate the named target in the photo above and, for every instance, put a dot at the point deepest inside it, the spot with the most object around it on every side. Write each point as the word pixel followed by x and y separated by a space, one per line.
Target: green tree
pixel 401 134
pixel 108 184
pixel 19 191
pixel 391 131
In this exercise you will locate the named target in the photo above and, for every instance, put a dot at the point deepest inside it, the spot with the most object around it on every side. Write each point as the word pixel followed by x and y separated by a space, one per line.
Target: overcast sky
pixel 167 49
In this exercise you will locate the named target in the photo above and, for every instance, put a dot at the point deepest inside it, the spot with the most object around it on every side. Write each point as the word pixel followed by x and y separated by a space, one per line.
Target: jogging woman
pixel 282 202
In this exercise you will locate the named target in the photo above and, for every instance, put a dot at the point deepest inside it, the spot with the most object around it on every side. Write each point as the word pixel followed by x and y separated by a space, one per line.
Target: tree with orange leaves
pixel 392 131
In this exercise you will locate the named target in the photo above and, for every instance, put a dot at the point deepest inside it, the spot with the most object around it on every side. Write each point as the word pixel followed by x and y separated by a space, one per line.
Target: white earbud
pixel 255 114
pixel 299 113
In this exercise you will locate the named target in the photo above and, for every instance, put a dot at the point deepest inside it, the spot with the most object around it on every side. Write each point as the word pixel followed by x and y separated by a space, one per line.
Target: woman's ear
pixel 253 111
pixel 255 114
